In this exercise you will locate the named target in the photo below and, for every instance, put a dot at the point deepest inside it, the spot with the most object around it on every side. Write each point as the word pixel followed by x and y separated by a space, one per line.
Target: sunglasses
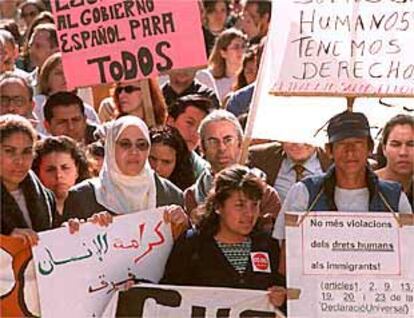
pixel 128 89
pixel 127 144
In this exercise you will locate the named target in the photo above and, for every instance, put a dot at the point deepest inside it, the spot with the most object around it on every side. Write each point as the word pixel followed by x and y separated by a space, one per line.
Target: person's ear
pixel 16 52
pixel 33 106
pixel 170 121
pixel 202 148
pixel 266 17
pixel 328 150
pixel 47 125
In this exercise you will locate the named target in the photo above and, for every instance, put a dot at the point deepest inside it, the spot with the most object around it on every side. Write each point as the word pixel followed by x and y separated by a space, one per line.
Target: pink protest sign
pixel 104 41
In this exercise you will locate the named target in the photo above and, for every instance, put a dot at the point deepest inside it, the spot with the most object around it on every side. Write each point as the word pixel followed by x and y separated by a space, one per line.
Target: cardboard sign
pixel 111 41
pixel 183 301
pixel 18 287
pixel 361 48
pixel 94 263
pixel 351 264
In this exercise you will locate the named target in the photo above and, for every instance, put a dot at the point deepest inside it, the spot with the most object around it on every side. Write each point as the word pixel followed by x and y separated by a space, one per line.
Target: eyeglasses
pixel 227 141
pixel 237 47
pixel 16 100
pixel 127 144
pixel 128 89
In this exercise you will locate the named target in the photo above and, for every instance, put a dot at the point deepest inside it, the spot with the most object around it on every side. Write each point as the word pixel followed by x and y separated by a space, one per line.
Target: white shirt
pixel 21 202
pixel 355 200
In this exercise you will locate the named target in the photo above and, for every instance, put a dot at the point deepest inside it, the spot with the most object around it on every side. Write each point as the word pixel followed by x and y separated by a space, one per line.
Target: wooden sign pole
pixel 350 103
pixel 148 108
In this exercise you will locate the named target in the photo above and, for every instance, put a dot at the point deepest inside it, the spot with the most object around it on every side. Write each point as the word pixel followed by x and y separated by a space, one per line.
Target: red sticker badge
pixel 260 262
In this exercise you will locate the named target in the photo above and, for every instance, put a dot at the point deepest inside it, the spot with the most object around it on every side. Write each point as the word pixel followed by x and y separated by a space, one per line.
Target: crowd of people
pixel 64 160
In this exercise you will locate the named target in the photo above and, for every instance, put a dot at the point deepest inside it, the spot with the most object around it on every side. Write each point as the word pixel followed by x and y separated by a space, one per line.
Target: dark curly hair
pixel 11 124
pixel 62 144
pixel 229 180
pixel 182 176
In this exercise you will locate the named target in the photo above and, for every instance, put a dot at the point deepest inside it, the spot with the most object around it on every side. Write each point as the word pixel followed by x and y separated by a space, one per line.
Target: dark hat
pixel 347 125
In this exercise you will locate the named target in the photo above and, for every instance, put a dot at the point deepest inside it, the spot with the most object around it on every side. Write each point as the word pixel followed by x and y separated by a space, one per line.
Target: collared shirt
pixel 199 164
pixel 18 196
pixel 287 175
pixel 33 80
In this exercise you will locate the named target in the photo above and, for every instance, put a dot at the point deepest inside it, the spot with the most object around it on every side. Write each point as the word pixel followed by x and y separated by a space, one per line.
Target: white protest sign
pixel 299 46
pixel 350 265
pixel 330 47
pixel 286 118
pixel 82 271
pixel 147 300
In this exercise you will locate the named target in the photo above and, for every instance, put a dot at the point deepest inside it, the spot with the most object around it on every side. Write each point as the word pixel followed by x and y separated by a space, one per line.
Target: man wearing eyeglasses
pixel 221 138
pixel 16 96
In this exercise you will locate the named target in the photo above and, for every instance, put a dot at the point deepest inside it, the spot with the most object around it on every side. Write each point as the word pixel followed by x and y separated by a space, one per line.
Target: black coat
pixel 40 204
pixel 81 201
pixel 198 260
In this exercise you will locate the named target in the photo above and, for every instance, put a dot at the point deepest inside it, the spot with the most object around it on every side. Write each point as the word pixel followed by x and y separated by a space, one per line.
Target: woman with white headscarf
pixel 126 183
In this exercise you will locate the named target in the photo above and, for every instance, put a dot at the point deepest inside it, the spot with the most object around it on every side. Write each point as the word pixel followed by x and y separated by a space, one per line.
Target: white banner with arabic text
pixel 77 274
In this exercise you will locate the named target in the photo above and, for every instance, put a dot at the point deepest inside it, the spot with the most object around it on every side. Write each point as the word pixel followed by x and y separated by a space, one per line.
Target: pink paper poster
pixel 104 41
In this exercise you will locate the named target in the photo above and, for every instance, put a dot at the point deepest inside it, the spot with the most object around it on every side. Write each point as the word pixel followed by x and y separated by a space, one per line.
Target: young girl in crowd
pixel 225 61
pixel 248 72
pixel 224 251
pixel 95 154
pixel 215 13
pixel 27 206
pixel 126 183
pixel 60 164
pixel 170 157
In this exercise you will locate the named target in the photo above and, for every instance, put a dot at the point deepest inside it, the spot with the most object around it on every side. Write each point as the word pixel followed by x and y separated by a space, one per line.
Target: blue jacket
pixel 383 195
pixel 239 102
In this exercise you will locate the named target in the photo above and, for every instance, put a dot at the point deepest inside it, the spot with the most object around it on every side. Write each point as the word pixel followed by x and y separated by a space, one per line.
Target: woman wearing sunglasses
pixel 128 99
pixel 126 183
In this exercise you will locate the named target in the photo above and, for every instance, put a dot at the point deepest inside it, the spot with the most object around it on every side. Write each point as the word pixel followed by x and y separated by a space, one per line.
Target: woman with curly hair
pixel 60 164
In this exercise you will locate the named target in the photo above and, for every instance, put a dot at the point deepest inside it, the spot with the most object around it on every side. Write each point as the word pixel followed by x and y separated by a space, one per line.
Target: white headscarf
pixel 116 191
